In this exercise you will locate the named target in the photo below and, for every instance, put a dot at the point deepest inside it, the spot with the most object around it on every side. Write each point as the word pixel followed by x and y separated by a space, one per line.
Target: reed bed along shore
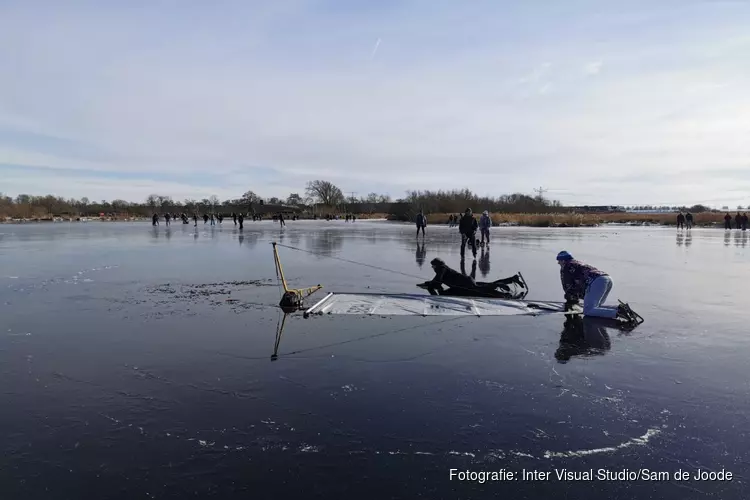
pixel 589 219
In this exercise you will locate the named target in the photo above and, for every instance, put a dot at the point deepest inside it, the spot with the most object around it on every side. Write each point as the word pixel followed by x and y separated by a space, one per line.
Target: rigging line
pixel 366 265
pixel 349 261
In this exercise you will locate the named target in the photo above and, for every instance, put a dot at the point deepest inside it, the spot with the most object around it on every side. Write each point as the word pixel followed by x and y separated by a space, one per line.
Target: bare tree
pixel 324 192
pixel 165 202
pixel 118 205
pixel 214 201
pixel 152 201
pixel 250 197
pixel 294 199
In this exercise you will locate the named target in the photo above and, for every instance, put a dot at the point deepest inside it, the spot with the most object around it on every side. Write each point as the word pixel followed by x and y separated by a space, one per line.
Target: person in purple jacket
pixel 582 281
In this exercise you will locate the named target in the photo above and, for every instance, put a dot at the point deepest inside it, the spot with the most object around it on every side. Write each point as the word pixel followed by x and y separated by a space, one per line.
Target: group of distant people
pixel 237 218
pixel 467 227
pixel 330 217
pixel 740 221
pixel 685 221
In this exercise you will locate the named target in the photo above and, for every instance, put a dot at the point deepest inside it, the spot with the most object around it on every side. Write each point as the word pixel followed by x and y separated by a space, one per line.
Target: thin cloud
pixel 537 74
pixel 375 49
pixel 593 68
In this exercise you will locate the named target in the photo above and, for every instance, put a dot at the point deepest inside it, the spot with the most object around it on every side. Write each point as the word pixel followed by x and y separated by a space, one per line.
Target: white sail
pixel 406 304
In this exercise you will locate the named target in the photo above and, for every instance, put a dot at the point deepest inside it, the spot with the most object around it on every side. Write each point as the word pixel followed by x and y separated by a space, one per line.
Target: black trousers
pixel 472 239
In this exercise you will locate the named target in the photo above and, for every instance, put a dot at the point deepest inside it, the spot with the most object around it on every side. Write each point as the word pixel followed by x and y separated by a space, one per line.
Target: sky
pixel 598 102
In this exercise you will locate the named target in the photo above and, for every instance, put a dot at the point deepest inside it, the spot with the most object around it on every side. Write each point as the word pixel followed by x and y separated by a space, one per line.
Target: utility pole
pixel 540 192
pixel 352 200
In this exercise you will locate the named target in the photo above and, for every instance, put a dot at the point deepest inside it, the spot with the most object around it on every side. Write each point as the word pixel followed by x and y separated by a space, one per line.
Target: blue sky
pixel 600 102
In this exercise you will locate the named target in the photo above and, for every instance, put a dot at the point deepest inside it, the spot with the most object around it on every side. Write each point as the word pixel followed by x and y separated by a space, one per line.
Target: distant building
pixel 598 208
pixel 653 211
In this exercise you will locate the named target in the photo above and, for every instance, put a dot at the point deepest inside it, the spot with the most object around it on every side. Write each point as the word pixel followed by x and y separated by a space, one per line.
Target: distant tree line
pixel 320 194
pixel 458 200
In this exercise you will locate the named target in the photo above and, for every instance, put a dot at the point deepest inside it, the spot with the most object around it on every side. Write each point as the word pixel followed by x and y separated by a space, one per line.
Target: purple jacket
pixel 576 278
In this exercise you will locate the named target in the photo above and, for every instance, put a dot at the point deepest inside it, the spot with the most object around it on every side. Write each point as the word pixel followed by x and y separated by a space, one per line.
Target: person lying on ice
pixel 582 281
pixel 461 284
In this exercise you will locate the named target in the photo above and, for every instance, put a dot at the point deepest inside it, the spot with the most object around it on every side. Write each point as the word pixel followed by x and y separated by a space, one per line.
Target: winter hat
pixel 564 256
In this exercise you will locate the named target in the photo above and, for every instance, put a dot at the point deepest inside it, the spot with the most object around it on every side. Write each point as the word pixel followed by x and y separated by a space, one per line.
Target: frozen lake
pixel 136 363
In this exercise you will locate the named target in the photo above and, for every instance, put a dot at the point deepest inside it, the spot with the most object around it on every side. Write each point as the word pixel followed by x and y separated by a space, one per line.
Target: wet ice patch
pixel 212 294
